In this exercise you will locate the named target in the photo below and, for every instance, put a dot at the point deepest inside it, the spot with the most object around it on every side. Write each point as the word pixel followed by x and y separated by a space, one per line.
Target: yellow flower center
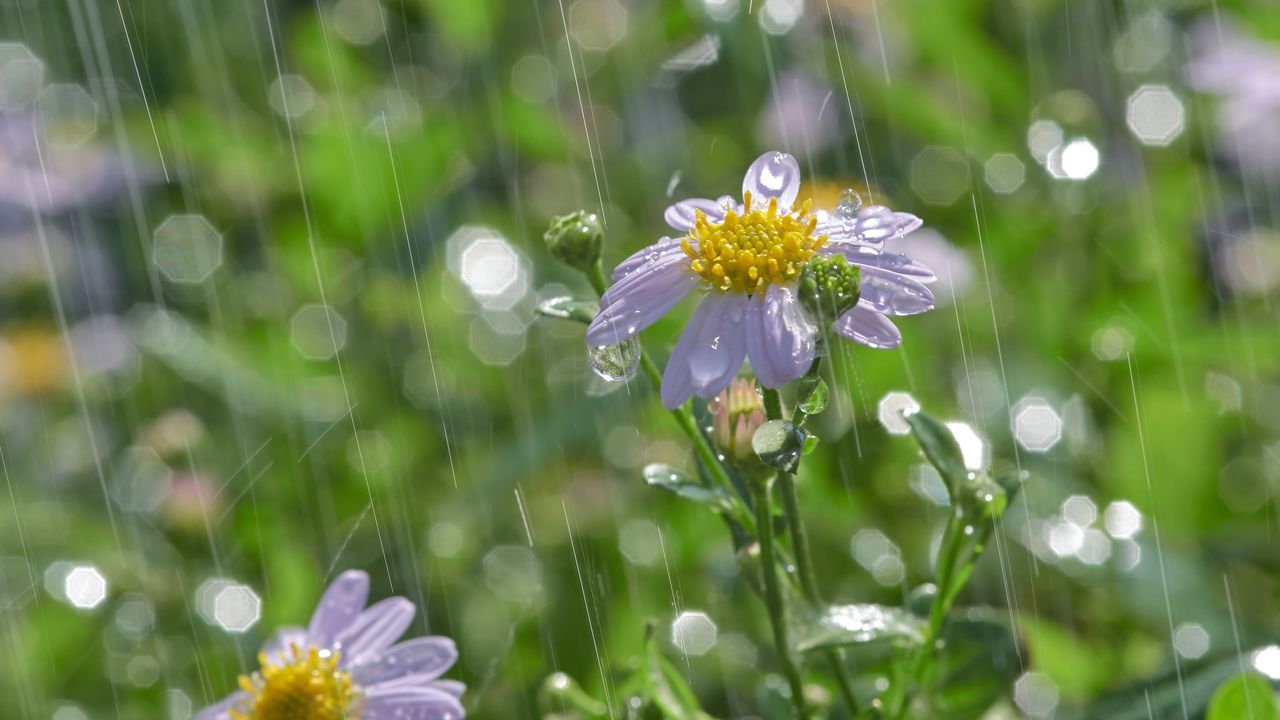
pixel 308 686
pixel 747 252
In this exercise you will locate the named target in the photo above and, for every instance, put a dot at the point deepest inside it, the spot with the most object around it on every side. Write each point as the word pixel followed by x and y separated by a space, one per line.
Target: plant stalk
pixel 773 595
pixel 804 562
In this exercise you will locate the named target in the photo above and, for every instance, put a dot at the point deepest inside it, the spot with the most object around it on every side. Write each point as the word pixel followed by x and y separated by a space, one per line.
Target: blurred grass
pixel 430 460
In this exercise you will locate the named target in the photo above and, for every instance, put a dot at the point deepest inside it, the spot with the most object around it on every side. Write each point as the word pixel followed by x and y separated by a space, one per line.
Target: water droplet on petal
pixel 848 205
pixel 616 363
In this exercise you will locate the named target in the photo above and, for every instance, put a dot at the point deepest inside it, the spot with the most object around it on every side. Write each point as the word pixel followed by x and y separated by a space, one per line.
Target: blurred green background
pixel 267 282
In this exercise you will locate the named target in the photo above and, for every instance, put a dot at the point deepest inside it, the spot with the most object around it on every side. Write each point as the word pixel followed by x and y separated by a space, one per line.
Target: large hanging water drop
pixel 618 362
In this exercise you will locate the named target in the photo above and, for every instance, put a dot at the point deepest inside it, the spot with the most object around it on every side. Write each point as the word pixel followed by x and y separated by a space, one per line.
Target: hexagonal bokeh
pixel 1191 641
pixel 69 112
pixel 640 542
pixel 514 574
pixel 493 347
pixel 1112 343
pixel 598 24
pixel 187 248
pixel 1077 160
pixel 893 409
pixel 1080 511
pixel 141 480
pixel 1036 424
pixel 1155 115
pixel 291 96
pixel 1036 694
pixel 1267 661
pixel 533 78
pixel 21 75
pixel 318 331
pixel 1004 173
pixel 777 17
pixel 494 272
pixel 879 555
pixel 1122 519
pixel 693 632
pixel 1043 137
pixel 236 608
pixel 1144 43
pixel 359 22
pixel 85 587
pixel 939 175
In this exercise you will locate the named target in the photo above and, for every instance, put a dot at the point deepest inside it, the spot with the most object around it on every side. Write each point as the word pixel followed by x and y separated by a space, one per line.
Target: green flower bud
pixel 829 286
pixel 575 239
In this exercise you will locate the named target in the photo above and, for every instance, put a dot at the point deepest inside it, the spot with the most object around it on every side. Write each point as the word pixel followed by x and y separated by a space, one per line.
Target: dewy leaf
pixel 1247 696
pixel 567 308
pixel 778 443
pixel 813 395
pixel 676 481
pixel 842 625
pixel 940 447
pixel 670 693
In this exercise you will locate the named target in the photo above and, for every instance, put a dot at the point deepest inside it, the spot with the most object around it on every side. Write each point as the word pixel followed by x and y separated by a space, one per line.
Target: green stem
pixel 920 660
pixel 804 562
pixel 683 417
pixel 773 595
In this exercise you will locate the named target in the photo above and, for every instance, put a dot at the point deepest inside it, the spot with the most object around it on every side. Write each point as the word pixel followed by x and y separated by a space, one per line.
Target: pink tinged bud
pixel 736 414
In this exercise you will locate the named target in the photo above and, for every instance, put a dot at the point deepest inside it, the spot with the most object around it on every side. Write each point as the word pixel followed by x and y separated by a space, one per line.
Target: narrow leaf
pixel 940 447
pixel 567 308
pixel 667 687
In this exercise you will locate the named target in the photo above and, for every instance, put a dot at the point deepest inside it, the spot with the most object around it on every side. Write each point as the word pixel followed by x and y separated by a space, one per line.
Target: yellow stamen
pixel 747 252
pixel 306 686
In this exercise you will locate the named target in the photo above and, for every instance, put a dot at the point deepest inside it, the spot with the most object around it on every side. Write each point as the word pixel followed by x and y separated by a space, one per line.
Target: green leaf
pixel 567 308
pixel 674 480
pixel 1247 696
pixel 779 443
pixel 666 686
pixel 813 395
pixel 979 664
pixel 559 691
pixel 810 444
pixel 940 447
pixel 843 625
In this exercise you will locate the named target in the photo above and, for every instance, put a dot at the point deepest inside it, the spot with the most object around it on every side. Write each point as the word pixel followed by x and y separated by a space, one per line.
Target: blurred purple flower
pixel 748 258
pixel 41 176
pixel 344 665
pixel 1246 74
pixel 797 117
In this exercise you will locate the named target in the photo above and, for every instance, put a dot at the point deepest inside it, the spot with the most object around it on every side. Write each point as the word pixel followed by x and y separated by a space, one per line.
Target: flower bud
pixel 736 414
pixel 575 239
pixel 829 286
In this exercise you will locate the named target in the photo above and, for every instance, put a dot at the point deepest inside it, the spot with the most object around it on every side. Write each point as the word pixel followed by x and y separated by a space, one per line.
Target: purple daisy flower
pixel 747 259
pixel 344 666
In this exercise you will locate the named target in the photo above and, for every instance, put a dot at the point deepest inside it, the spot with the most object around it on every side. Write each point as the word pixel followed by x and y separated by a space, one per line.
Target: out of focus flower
pixel 1243 72
pixel 736 413
pixel 344 665
pixel 800 115
pixel 32 361
pixel 176 432
pixel 41 176
pixel 748 259
pixel 191 500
